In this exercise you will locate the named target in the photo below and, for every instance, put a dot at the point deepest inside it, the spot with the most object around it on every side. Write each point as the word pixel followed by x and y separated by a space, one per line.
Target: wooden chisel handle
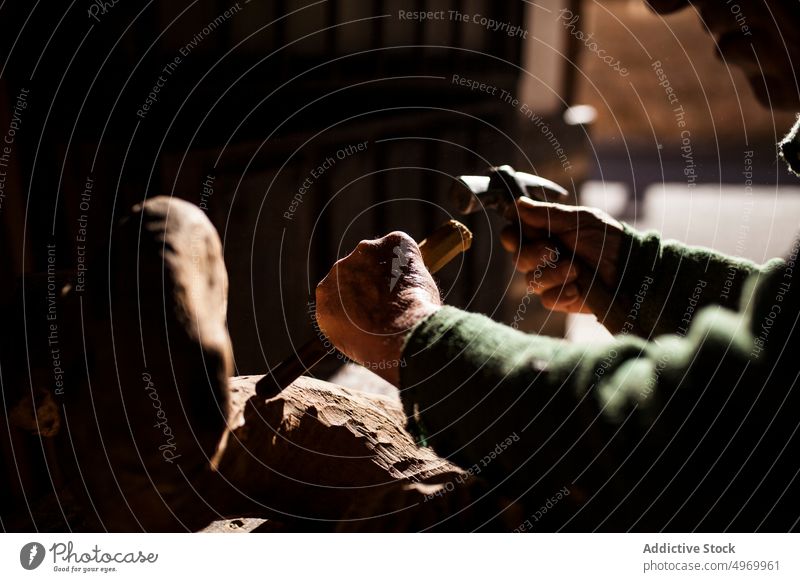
pixel 442 246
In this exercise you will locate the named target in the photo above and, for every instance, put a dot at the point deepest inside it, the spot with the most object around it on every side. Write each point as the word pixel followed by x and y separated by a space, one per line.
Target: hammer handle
pixel 442 246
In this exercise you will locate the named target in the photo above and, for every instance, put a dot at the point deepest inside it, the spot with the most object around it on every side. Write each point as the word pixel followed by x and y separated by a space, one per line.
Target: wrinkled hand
pixel 370 299
pixel 550 235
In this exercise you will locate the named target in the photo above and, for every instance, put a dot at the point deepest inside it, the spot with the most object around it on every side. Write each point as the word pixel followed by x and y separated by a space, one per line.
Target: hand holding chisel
pixel 438 249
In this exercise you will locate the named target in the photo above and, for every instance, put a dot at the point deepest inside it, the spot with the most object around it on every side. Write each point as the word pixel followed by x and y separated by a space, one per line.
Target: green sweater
pixel 686 421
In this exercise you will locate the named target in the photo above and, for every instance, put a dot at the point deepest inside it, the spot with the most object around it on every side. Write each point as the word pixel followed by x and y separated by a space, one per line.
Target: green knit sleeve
pixel 610 426
pixel 664 283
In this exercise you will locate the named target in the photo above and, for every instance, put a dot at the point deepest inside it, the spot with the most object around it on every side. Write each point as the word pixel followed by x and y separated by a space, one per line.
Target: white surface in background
pixel 609 196
pixel 758 225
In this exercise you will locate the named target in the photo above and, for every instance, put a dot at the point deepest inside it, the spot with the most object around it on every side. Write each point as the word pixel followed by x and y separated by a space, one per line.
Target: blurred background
pixel 301 127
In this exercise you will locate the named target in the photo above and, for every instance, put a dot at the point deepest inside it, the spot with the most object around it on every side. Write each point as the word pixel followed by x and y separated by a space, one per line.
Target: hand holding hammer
pixel 570 254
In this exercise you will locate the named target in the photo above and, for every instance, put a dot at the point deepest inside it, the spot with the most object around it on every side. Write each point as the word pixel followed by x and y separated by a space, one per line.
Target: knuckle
pixel 564 269
pixel 395 238
pixel 365 245
pixel 547 301
pixel 397 235
pixel 540 288
pixel 526 264
pixel 548 280
pixel 341 264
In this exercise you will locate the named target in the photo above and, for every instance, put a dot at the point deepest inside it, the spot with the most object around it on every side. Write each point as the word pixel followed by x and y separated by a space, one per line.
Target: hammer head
pixel 499 188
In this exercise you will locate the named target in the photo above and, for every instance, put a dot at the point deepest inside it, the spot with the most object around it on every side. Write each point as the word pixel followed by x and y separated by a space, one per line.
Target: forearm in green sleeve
pixel 663 283
pixel 539 415
pixel 501 401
